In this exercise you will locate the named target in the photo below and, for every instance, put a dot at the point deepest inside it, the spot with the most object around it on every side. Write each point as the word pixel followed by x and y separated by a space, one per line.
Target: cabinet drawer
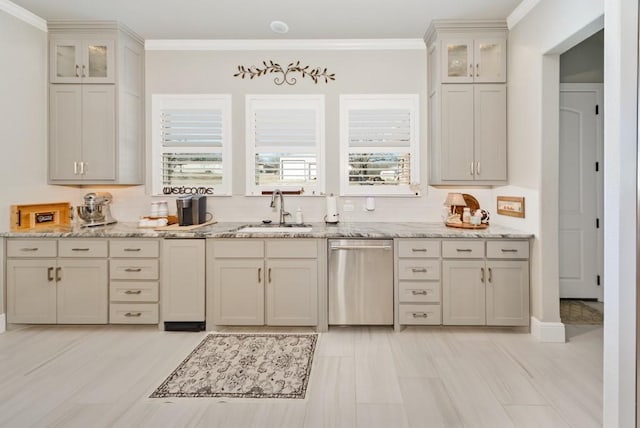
pixel 134 248
pixel 419 269
pixel 463 249
pixel 133 291
pixel 133 269
pixel 292 249
pixel 82 248
pixel 234 248
pixel 427 314
pixel 421 248
pixel 419 291
pixel 507 249
pixel 32 248
pixel 133 313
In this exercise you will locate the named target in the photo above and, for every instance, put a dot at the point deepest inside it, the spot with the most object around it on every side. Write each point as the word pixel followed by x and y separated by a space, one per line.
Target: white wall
pixel 533 93
pixel 357 71
pixel 23 108
pixel 584 63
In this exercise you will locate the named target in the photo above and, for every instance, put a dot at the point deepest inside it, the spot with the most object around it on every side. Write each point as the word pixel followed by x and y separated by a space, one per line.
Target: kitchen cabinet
pixel 467 110
pixel 485 291
pixel 473 58
pixel 183 280
pixel 82 132
pixel 473 134
pixel 78 60
pixel 68 289
pixel 262 282
pixel 418 282
pixel 96 119
pixel 133 281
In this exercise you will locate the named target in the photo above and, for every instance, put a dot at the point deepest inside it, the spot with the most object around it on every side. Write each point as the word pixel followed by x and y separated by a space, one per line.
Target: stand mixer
pixel 95 211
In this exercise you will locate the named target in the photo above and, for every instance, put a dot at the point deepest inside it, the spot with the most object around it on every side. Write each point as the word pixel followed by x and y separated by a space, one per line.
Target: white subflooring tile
pixel 102 376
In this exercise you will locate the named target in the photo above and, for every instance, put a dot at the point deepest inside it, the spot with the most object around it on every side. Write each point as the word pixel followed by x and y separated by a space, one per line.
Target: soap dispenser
pixel 299 215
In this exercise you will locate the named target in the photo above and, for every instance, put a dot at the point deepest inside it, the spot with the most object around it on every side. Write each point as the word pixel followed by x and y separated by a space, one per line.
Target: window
pixel 379 142
pixel 191 144
pixel 285 143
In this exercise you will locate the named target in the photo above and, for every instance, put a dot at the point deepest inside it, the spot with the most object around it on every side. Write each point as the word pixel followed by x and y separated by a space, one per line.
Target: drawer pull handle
pixel 259 275
pixel 133 314
pixel 269 275
pixel 58 274
pixel 419 250
pixel 80 249
pixel 50 274
pixel 482 275
pixel 29 249
pixel 464 250
pixel 133 270
pixel 490 275
pixel 133 249
pixel 133 292
pixel 420 315
pixel 505 250
pixel 419 270
pixel 419 292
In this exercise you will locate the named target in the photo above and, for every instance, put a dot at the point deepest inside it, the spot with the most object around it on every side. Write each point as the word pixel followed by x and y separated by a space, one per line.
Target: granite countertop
pixel 319 230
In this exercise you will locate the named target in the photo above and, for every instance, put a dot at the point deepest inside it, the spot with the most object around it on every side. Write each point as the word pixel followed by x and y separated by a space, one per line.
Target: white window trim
pixel 158 103
pixel 285 101
pixel 384 101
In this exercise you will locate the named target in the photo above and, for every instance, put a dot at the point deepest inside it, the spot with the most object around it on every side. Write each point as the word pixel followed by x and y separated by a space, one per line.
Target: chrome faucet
pixel 283 213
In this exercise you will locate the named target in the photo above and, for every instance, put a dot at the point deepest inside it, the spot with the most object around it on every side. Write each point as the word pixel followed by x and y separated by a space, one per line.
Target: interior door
pixel 580 192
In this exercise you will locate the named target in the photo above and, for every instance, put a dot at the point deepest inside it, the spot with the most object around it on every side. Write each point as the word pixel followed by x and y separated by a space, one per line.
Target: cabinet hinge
pixel 597 166
pixel 597 109
pixel 598 279
pixel 597 223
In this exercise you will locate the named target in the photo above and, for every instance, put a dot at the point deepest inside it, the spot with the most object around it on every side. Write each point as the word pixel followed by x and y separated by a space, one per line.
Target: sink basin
pixel 275 229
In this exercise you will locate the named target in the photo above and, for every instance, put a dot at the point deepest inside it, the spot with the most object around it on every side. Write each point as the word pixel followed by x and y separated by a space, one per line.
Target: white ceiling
pixel 249 19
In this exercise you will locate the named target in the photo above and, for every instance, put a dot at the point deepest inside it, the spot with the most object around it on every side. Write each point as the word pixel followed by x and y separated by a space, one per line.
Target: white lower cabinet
pixel 57 290
pixel 262 282
pixel 183 278
pixel 417 282
pixel 486 291
pixel 133 281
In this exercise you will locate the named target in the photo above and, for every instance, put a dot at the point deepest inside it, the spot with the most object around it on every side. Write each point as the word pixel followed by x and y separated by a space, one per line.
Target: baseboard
pixel 547 331
pixel 3 323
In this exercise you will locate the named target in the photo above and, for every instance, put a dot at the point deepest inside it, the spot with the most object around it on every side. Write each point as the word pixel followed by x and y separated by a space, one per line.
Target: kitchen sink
pixel 287 228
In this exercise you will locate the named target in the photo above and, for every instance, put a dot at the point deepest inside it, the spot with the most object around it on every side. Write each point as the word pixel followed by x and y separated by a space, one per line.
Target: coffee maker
pixel 192 210
pixel 95 210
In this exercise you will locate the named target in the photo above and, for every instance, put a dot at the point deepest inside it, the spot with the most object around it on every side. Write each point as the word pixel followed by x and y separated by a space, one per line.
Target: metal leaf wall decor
pixel 316 74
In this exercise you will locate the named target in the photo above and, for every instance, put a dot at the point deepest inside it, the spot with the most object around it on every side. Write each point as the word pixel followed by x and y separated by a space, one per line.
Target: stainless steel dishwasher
pixel 360 282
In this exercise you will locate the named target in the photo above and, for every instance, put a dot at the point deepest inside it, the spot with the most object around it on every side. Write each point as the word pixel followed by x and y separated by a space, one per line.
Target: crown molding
pixel 23 15
pixel 293 44
pixel 520 12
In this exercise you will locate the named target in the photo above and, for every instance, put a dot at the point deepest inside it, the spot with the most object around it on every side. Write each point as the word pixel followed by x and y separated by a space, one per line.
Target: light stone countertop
pixel 319 230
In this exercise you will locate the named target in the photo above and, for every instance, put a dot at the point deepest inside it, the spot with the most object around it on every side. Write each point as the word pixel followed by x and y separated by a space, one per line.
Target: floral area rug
pixel 577 312
pixel 244 366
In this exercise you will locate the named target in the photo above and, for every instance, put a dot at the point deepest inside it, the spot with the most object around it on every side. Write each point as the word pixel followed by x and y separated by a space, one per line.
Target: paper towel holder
pixel 332 211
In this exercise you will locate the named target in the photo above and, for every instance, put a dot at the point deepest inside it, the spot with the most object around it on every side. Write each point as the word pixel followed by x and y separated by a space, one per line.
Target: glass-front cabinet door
pixel 457 61
pixel 82 61
pixel 490 56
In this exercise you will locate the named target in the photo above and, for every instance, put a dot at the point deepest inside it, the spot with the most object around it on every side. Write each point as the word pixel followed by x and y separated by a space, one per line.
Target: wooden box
pixel 40 216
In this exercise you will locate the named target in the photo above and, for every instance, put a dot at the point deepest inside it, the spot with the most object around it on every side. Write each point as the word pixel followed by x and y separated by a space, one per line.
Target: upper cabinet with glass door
pixel 82 60
pixel 477 60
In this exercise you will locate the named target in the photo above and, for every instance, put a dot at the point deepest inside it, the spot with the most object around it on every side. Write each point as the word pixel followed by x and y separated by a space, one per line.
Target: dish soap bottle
pixel 299 216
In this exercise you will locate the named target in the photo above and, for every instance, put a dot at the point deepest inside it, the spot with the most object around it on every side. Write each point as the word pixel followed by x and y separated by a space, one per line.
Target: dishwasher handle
pixel 361 247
